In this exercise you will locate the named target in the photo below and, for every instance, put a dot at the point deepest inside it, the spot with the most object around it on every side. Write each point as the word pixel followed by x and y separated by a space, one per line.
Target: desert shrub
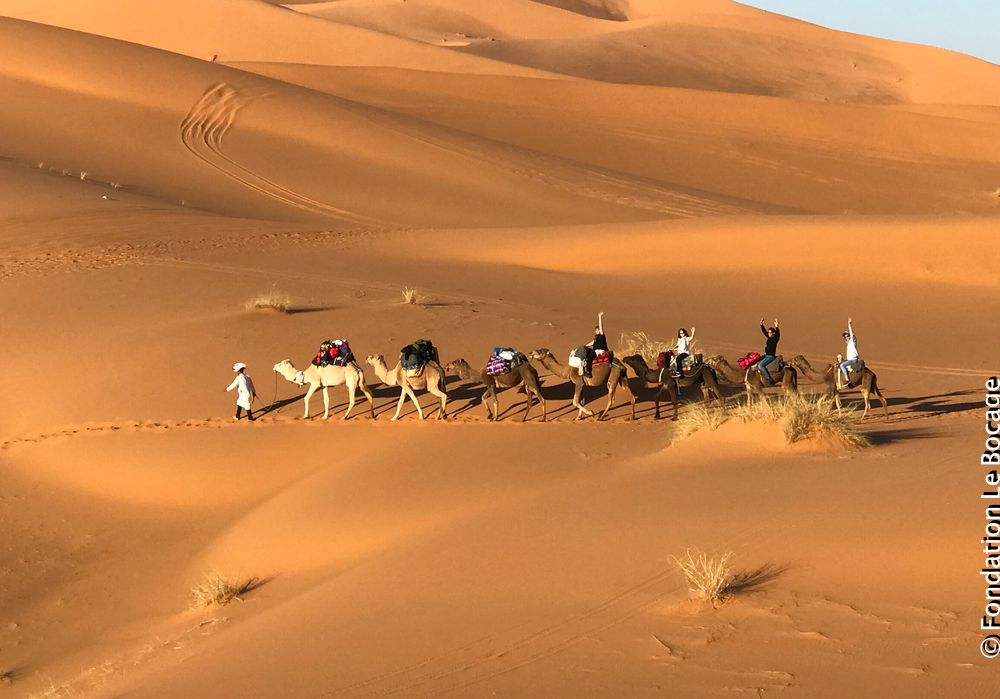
pixel 216 588
pixel 274 299
pixel 698 416
pixel 410 296
pixel 709 577
pixel 638 342
pixel 802 417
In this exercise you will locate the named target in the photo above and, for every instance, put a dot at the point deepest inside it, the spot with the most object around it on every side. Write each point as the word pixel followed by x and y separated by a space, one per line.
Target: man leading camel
pixel 770 350
pixel 245 392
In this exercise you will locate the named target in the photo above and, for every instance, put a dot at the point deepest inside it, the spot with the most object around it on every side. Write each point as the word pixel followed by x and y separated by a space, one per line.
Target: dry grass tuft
pixel 710 578
pixel 698 416
pixel 803 417
pixel 800 417
pixel 638 342
pixel 411 297
pixel 215 588
pixel 275 299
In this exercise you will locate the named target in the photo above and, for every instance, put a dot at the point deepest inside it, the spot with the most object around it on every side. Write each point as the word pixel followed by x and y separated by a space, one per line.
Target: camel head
pixel 715 361
pixel 287 370
pixel 460 368
pixel 375 359
pixel 636 361
pixel 540 355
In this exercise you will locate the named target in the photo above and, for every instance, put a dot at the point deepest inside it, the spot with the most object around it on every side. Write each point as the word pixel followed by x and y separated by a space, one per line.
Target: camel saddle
pixel 415 356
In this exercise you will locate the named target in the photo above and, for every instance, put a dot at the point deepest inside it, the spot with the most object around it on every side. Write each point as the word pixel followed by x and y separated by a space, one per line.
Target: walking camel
pixel 787 376
pixel 431 376
pixel 611 375
pixel 523 374
pixel 866 380
pixel 324 377
pixel 703 377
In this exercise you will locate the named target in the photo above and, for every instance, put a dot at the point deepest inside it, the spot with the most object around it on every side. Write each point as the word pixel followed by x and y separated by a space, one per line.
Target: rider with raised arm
pixel 773 334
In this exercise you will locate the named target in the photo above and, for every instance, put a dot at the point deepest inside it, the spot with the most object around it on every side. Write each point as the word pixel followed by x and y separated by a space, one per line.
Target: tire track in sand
pixel 483 660
pixel 204 129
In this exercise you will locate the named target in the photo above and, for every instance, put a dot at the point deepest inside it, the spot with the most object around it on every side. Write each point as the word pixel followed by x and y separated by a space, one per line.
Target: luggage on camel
pixel 663 359
pixel 601 358
pixel 335 352
pixel 414 356
pixel 503 360
pixel 748 360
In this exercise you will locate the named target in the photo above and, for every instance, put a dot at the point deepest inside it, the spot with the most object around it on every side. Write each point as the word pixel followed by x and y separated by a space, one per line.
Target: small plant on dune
pixel 216 588
pixel 710 578
pixel 275 299
pixel 84 175
pixel 698 416
pixel 410 296
pixel 802 417
pixel 638 342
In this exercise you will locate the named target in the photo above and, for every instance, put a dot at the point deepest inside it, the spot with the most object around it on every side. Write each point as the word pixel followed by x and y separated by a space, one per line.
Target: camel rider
pixel 851 354
pixel 770 350
pixel 245 392
pixel 599 344
pixel 681 350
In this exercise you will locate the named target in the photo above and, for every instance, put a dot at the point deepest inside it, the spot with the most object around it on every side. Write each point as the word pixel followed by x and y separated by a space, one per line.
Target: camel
pixel 523 374
pixel 431 377
pixel 787 376
pixel 611 375
pixel 704 377
pixel 324 377
pixel 866 380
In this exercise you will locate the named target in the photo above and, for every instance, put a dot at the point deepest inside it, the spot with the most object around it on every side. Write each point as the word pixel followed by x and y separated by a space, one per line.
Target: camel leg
pixel 866 396
pixel 326 402
pixel 581 411
pixel 612 387
pixel 656 399
pixel 528 400
pixel 631 396
pixel 443 395
pixel 836 399
pixel 350 400
pixel 489 397
pixel 311 390
pixel 541 400
pixel 413 397
pixel 369 396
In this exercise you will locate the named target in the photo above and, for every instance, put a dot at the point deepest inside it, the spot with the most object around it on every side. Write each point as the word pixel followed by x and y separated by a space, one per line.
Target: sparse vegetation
pixel 801 417
pixel 216 588
pixel 275 299
pixel 638 342
pixel 410 296
pixel 710 578
pixel 698 416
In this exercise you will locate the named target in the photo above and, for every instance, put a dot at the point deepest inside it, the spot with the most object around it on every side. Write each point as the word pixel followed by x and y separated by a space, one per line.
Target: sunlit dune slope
pixel 791 155
pixel 244 30
pixel 224 140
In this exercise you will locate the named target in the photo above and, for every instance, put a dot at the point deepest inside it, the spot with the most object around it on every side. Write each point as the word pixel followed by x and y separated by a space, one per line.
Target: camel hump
pixel 416 355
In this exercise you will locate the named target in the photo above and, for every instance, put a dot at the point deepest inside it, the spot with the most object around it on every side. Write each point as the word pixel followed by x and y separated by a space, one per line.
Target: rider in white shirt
pixel 851 356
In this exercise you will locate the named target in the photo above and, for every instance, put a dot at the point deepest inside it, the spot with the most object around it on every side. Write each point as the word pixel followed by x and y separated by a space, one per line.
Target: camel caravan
pixel 678 369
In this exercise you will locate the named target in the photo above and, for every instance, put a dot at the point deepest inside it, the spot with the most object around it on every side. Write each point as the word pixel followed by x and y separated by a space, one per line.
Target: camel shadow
pixel 937 404
pixel 277 405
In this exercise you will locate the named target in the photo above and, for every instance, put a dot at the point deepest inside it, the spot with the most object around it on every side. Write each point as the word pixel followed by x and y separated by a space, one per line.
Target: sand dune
pixel 150 191
pixel 726 47
pixel 333 165
pixel 233 30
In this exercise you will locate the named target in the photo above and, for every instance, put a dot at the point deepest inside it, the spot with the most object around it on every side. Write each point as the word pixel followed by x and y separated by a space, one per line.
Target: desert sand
pixel 521 165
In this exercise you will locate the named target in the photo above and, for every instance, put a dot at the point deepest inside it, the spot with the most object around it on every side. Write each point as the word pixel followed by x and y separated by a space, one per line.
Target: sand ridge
pixel 519 166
